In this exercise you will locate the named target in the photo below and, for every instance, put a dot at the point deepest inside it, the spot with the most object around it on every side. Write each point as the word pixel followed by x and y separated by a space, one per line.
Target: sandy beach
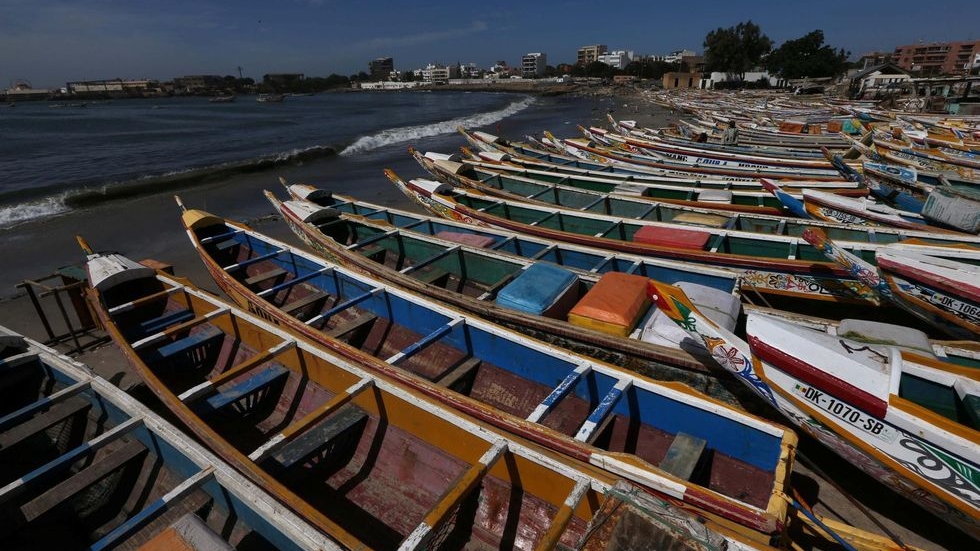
pixel 148 227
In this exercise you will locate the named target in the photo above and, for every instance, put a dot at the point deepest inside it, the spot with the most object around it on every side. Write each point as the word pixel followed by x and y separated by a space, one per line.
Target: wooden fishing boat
pixel 776 265
pixel 589 410
pixel 905 417
pixel 715 195
pixel 477 270
pixel 677 136
pixel 860 212
pixel 377 465
pixel 586 149
pixel 83 465
pixel 523 151
pixel 694 155
pixel 939 291
pixel 633 207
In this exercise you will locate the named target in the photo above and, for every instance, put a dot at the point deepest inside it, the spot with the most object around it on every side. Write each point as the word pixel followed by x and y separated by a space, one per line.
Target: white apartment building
pixel 533 65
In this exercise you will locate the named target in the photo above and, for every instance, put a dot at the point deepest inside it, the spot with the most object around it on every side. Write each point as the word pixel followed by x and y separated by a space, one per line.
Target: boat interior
pixel 78 472
pixel 593 406
pixel 377 464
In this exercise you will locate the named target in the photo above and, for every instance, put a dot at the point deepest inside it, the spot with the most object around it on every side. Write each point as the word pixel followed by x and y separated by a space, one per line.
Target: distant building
pixel 678 80
pixel 381 68
pixel 618 58
pixel 874 82
pixel 937 58
pixel 873 59
pixel 533 65
pixel 438 74
pixel 588 54
pixel 117 86
pixel 198 83
pixel 678 56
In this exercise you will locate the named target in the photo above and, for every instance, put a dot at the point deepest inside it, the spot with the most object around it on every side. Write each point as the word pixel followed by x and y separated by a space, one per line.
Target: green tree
pixel 735 50
pixel 807 57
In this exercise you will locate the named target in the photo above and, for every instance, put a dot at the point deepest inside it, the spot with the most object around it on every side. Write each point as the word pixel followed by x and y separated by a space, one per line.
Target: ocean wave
pixel 27 205
pixel 409 133
pixel 18 214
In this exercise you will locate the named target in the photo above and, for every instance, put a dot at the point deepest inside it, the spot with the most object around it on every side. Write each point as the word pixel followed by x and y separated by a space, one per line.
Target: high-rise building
pixel 938 58
pixel 381 68
pixel 588 54
pixel 533 65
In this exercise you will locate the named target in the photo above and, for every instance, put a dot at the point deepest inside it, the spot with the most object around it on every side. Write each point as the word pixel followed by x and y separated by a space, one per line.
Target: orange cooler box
pixel 613 305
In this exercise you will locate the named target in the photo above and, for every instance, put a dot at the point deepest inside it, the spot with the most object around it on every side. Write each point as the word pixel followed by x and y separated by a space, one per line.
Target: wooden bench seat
pixel 256 382
pixel 433 276
pixel 458 378
pixel 81 480
pixel 201 339
pixel 325 433
pixel 159 323
pixel 74 406
pixel 348 327
pixel 299 304
pixel 257 279
pixel 683 455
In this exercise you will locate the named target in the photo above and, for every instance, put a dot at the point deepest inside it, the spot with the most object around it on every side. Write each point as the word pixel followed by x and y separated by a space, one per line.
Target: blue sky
pixel 49 42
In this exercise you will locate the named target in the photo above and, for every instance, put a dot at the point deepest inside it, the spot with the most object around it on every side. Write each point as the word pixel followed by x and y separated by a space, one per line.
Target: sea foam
pixel 18 214
pixel 409 133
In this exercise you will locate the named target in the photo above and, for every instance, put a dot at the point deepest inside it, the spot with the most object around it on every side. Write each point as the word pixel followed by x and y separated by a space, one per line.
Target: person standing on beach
pixel 730 136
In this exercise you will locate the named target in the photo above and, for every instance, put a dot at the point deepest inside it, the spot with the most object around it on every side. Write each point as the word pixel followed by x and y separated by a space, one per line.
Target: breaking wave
pixel 410 133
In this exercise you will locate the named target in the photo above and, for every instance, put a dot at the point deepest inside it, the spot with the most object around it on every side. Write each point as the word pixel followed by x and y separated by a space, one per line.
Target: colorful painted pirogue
pixel 476 268
pixel 780 265
pixel 365 460
pixel 872 393
pixel 939 291
pixel 818 203
pixel 592 160
pixel 83 465
pixel 591 411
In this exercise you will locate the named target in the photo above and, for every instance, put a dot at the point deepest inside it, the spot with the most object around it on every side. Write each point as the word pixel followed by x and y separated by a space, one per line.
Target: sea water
pixel 110 169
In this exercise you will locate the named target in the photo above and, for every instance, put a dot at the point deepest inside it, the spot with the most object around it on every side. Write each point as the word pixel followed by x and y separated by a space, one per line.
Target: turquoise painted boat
pixel 476 268
pixel 776 265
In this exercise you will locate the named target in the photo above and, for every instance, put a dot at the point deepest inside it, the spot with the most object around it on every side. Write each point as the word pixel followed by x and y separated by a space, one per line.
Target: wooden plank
pixel 186 344
pixel 82 480
pixel 352 325
pixel 246 387
pixel 274 273
pixel 433 276
pixel 301 303
pixel 459 373
pixel 319 436
pixel 159 323
pixel 683 455
pixel 58 413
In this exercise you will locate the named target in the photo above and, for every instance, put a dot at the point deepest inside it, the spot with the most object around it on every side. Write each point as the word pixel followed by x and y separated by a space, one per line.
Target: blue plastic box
pixel 542 289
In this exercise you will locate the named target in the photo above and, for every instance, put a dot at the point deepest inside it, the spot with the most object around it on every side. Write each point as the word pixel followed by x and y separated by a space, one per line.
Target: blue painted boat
pixel 378 464
pixel 586 409
pixel 83 465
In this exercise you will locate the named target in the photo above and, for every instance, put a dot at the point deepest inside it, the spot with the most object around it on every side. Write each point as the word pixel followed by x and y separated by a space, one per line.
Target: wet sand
pixel 149 227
